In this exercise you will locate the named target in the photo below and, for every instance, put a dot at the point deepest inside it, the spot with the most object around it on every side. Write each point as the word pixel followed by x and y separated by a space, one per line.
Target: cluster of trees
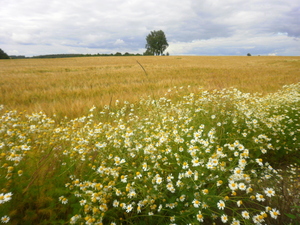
pixel 156 44
pixel 3 55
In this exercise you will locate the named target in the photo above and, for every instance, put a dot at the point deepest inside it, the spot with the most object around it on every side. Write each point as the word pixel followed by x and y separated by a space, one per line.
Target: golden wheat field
pixel 71 86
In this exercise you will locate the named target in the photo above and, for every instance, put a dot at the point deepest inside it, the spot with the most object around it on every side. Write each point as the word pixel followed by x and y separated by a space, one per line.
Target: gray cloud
pixel 75 26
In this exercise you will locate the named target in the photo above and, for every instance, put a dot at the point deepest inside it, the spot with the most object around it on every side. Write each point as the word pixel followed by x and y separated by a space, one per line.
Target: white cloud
pixel 21 37
pixel 192 27
pixel 238 45
pixel 119 42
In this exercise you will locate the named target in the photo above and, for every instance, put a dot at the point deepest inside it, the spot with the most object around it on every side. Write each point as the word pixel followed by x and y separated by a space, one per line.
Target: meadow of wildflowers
pixel 210 157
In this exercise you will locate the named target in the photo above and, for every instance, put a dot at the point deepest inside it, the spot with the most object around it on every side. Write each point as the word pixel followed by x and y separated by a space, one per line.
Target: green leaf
pixel 291 216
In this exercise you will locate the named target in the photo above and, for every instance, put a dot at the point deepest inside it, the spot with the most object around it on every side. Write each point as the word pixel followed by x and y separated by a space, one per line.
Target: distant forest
pixel 74 55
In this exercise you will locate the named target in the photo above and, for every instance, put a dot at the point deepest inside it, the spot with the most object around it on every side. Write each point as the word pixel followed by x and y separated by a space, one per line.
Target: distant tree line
pixel 84 55
pixel 17 56
pixel 75 55
pixel 5 56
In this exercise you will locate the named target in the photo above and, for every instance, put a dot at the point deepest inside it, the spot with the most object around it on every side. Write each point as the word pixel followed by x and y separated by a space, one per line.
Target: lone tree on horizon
pixel 3 55
pixel 156 43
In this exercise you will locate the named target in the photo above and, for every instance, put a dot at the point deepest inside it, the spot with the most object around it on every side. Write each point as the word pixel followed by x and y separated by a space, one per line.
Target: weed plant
pixel 211 157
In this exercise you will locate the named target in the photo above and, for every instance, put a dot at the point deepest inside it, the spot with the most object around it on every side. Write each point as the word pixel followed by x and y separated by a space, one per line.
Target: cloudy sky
pixel 192 27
